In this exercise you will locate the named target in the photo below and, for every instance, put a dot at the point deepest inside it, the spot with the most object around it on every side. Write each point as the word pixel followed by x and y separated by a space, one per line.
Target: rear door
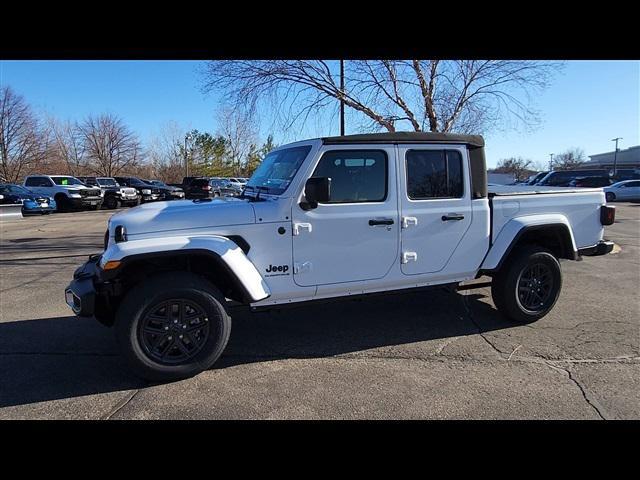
pixel 435 205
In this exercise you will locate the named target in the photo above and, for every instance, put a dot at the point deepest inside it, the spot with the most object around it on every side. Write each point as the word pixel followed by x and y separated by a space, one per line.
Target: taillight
pixel 607 215
pixel 206 187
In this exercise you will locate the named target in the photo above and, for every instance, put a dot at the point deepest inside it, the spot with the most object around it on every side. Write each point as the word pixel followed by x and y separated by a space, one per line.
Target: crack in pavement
pixel 120 406
pixel 592 402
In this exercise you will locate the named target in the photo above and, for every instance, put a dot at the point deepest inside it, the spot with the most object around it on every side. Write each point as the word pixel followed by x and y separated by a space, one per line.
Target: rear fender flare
pixel 515 228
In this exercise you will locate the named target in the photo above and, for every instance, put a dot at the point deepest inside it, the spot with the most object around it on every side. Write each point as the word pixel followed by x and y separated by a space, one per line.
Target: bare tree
pixel 421 95
pixel 23 142
pixel 68 146
pixel 239 129
pixel 166 154
pixel 109 145
pixel 520 167
pixel 569 160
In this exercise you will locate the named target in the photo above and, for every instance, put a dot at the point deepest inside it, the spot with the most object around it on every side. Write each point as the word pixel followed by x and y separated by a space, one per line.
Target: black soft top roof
pixel 474 141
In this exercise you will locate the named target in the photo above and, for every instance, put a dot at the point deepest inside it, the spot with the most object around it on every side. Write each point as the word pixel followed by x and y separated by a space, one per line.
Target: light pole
pixel 615 156
pixel 342 98
pixel 187 137
pixel 551 162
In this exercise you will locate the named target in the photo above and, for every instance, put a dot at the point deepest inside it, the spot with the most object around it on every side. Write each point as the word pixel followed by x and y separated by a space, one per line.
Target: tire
pixel 147 299
pixel 610 196
pixel 111 202
pixel 62 203
pixel 511 288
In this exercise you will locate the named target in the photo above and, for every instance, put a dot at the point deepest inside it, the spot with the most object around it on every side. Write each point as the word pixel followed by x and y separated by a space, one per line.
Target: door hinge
pixel 408 221
pixel 298 226
pixel 301 267
pixel 409 257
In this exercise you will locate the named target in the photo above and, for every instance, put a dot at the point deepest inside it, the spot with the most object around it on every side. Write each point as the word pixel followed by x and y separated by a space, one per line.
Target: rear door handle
pixel 452 216
pixel 381 221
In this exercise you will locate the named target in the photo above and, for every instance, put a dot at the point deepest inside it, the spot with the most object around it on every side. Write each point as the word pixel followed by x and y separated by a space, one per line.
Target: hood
pixel 184 215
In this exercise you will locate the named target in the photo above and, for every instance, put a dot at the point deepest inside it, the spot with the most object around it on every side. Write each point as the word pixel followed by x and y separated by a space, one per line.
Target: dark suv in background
pixel 167 192
pixel 200 188
pixel 591 182
pixel 115 195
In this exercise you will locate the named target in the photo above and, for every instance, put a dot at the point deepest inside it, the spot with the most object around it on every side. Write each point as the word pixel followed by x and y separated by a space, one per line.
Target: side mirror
pixel 316 190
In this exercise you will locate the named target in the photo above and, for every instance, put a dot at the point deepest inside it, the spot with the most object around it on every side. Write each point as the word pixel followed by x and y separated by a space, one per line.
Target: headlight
pixel 75 195
pixel 146 191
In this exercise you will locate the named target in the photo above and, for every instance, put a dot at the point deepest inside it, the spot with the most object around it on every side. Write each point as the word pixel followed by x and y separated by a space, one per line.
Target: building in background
pixel 628 159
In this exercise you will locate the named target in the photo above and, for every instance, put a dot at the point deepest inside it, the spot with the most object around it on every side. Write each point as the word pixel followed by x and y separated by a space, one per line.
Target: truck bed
pixel 580 207
pixel 506 190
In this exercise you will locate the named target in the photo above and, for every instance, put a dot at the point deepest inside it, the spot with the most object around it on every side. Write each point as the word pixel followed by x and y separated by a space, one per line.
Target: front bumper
pixel 601 248
pixel 86 202
pixel 80 294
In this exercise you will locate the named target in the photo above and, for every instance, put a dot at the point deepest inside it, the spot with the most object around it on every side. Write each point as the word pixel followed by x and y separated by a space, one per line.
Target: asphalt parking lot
pixel 428 355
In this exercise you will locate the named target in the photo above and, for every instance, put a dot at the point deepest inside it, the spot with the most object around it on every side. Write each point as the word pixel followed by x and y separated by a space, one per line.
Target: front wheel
pixel 172 326
pixel 610 196
pixel 527 287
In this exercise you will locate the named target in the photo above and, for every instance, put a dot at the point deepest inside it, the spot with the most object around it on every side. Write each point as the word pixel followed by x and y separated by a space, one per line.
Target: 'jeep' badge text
pixel 274 270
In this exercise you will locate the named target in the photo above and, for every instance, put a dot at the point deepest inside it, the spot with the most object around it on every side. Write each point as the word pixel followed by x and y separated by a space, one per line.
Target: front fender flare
pixel 226 250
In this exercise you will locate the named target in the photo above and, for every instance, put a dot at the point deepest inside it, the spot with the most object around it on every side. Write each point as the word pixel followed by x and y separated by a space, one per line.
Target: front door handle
pixel 452 216
pixel 381 221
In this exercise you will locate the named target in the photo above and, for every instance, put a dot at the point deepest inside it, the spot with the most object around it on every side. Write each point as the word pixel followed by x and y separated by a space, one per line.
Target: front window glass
pixel 67 181
pixel 278 169
pixel 14 189
pixel 107 182
pixel 356 175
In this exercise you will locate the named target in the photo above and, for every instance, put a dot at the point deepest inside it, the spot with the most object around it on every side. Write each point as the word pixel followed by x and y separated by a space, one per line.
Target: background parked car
pixel 535 178
pixel 625 190
pixel 200 188
pixel 147 192
pixel 224 188
pixel 68 192
pixel 114 195
pixel 561 178
pixel 32 203
pixel 168 192
pixel 591 182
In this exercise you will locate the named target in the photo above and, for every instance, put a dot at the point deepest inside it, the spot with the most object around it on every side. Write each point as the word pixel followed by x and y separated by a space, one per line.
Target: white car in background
pixel 624 190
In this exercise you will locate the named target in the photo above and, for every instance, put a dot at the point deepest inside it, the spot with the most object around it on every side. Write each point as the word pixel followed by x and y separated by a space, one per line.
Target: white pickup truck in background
pixel 327 218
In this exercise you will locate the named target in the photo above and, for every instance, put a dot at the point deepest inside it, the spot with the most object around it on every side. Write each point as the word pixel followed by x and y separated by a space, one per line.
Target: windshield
pixel 278 169
pixel 67 181
pixel 107 182
pixel 15 189
pixel 157 182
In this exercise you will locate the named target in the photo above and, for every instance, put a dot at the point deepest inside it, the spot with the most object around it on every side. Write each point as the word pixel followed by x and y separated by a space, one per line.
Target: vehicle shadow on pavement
pixel 348 325
pixel 65 357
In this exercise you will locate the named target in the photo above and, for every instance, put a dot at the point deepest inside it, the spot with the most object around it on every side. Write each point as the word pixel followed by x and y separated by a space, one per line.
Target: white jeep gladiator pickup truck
pixel 327 218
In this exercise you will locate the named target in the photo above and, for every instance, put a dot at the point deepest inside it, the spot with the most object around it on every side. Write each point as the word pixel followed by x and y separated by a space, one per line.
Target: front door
pixel 355 235
pixel 435 205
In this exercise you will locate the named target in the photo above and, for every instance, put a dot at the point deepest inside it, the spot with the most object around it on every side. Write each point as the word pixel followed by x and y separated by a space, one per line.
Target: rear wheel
pixel 62 203
pixel 610 196
pixel 527 287
pixel 172 326
pixel 111 202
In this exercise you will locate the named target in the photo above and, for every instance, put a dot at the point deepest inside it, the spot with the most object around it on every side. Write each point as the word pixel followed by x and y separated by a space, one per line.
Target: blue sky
pixel 587 105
